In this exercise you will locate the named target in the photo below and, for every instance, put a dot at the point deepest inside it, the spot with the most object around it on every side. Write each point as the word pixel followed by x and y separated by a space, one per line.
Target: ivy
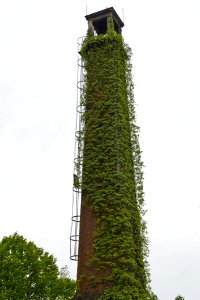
pixel 112 177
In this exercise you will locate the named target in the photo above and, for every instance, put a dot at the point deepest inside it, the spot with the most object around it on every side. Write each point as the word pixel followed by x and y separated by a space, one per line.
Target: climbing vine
pixel 112 179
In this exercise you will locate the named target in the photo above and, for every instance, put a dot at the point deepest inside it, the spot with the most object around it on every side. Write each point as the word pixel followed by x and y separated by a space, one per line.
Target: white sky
pixel 38 65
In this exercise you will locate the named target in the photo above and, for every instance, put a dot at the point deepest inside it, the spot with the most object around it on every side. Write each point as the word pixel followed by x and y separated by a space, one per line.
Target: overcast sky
pixel 38 74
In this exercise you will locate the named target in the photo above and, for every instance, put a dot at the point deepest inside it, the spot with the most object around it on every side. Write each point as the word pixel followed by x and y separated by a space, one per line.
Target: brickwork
pixel 87 289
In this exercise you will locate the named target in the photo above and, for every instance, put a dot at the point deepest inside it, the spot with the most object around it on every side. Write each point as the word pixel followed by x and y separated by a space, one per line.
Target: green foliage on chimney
pixel 112 168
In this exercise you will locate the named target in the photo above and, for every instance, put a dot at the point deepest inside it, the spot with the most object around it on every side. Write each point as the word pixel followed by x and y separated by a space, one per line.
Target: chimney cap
pixel 100 16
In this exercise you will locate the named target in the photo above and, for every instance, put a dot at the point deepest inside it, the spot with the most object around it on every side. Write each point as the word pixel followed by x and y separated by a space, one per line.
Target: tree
pixel 65 287
pixel 27 272
pixel 179 297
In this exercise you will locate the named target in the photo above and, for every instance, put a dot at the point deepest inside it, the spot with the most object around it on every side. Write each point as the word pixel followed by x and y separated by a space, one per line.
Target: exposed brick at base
pixel 85 272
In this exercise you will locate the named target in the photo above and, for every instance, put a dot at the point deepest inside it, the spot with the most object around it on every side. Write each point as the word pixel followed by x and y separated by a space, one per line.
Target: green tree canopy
pixel 179 297
pixel 27 272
